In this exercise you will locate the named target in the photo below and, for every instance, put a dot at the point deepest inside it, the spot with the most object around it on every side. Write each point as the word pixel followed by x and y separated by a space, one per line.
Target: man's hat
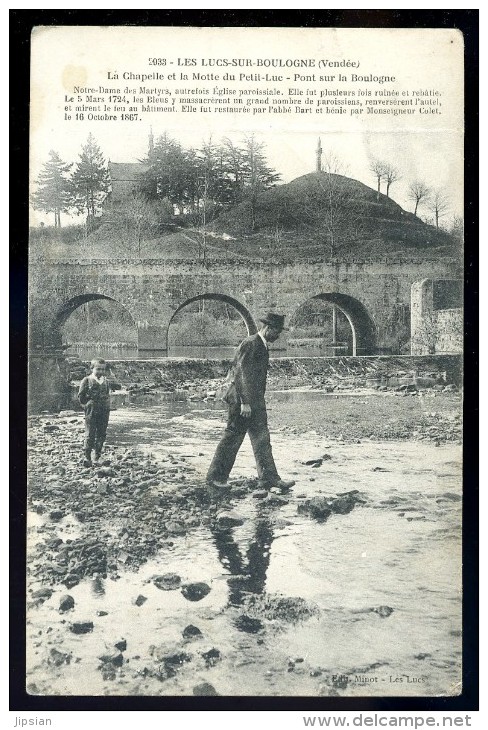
pixel 274 320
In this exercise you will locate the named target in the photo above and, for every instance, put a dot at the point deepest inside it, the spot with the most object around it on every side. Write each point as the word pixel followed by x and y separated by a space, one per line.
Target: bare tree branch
pixel 418 192
pixel 438 204
pixel 379 169
pixel 333 165
pixel 391 175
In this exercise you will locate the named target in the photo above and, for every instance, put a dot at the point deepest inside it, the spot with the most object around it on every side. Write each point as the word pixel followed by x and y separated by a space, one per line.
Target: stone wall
pixel 435 328
pixel 49 376
pixel 449 330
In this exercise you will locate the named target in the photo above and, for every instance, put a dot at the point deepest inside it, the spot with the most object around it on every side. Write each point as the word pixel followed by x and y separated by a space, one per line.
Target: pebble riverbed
pixel 143 581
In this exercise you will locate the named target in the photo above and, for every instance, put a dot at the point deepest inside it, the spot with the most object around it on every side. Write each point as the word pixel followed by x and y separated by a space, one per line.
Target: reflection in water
pixel 98 587
pixel 223 352
pixel 247 576
pixel 206 353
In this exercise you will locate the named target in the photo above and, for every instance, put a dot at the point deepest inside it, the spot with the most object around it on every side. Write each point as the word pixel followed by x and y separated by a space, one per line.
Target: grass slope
pixel 289 225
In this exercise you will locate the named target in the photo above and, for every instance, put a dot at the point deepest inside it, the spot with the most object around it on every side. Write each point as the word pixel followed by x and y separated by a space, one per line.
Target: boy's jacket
pixel 92 390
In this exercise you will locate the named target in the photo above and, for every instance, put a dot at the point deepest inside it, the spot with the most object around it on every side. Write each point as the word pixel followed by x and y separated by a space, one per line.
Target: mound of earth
pixel 318 207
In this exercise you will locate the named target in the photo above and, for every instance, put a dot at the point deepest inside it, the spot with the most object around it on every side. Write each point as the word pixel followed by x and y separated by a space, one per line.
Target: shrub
pixel 202 328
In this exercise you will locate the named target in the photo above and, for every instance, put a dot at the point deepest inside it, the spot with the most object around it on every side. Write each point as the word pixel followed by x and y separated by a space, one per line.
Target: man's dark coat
pixel 246 385
pixel 247 376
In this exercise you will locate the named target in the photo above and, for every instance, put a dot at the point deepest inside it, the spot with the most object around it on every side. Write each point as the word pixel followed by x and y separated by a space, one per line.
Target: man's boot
pixel 87 460
pixel 281 484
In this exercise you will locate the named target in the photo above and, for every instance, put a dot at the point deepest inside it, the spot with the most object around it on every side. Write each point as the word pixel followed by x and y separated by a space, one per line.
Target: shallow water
pixel 220 352
pixel 401 549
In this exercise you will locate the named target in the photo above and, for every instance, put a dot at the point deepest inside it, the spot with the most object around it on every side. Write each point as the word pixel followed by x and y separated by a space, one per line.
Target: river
pixel 384 581
pixel 221 352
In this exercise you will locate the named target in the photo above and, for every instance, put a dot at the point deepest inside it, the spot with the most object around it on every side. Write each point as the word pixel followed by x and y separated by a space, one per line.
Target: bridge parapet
pixel 225 262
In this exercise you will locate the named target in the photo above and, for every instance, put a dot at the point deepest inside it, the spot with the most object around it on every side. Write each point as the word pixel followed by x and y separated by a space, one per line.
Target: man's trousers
pixel 256 425
pixel 96 422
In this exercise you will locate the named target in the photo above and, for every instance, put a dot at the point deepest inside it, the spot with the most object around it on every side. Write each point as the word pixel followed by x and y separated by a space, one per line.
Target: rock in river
pixel 176 659
pixel 81 627
pixel 171 663
pixel 383 611
pixel 318 507
pixel 342 505
pixel 248 624
pixel 105 471
pixel 42 594
pixel 322 507
pixel 212 656
pixel 58 658
pixel 205 689
pixel 116 659
pixel 176 528
pixel 192 632
pixel 66 603
pixel 195 591
pixel 71 580
pixel 139 600
pixel 229 519
pixel 282 608
pixel 167 582
pixel 314 463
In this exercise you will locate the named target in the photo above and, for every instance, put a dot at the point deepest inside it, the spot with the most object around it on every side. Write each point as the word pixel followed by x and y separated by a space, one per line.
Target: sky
pixel 427 147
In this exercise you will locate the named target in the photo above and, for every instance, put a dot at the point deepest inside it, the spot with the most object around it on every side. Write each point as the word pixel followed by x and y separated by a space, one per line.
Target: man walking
pixel 247 409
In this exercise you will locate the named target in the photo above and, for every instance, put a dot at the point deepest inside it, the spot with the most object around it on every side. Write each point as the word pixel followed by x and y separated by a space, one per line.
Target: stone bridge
pixel 374 295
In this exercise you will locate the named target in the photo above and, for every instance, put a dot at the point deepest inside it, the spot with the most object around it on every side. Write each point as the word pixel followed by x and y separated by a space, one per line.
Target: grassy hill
pixel 296 219
pixel 293 221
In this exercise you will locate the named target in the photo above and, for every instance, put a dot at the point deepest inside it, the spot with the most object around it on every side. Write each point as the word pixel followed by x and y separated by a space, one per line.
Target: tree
pixel 212 174
pixel 53 194
pixel 232 172
pixel 90 180
pixel 257 175
pixel 379 169
pixel 138 218
pixel 333 164
pixel 456 229
pixel 171 174
pixel 203 181
pixel 331 208
pixel 391 175
pixel 438 204
pixel 418 192
pixel 141 218
pixel 208 189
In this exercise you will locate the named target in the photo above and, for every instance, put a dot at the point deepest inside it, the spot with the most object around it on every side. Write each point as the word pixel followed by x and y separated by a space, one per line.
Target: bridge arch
pixel 362 326
pixel 226 299
pixel 66 309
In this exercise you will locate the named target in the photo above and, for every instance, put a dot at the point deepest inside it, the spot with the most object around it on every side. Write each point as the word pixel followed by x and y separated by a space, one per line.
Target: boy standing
pixel 94 396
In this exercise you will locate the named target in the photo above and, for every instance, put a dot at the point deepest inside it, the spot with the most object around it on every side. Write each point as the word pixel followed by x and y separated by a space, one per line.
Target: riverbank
pixel 143 581
pixel 201 379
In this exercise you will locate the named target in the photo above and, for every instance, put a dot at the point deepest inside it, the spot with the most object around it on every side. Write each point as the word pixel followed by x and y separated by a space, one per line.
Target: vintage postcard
pixel 216 213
